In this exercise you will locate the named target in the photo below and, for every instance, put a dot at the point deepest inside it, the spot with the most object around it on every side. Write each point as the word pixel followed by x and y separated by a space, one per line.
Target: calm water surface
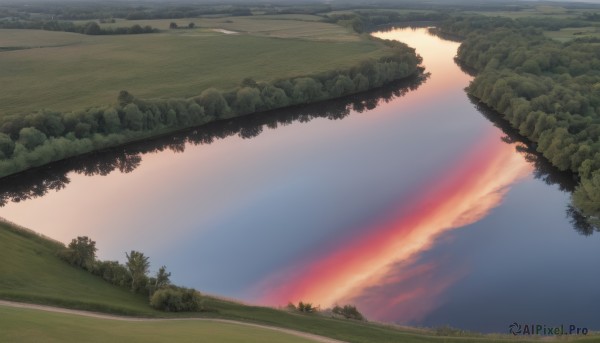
pixel 416 210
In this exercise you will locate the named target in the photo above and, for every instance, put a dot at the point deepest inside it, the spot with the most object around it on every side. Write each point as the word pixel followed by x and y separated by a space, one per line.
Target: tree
pixel 31 137
pixel 7 146
pixel 92 28
pixel 348 311
pixel 112 122
pixel 138 266
pixel 134 118
pixel 161 280
pixel 81 252
pixel 173 25
pixel 306 307
pixel 125 98
pixel 213 102
pixel 191 25
pixel 247 100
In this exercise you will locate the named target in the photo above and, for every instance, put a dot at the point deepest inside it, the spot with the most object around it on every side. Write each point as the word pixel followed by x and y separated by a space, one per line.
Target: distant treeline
pixel 36 139
pixel 91 28
pixel 99 10
pixel 366 20
pixel 548 90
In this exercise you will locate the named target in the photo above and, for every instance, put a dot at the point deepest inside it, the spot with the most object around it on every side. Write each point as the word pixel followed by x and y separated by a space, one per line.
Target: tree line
pixel 134 274
pixel 362 21
pixel 548 90
pixel 90 28
pixel 45 136
pixel 54 177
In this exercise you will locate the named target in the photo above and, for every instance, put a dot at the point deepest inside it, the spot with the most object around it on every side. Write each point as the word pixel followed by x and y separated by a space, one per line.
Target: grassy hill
pixel 68 71
pixel 31 272
pixel 28 325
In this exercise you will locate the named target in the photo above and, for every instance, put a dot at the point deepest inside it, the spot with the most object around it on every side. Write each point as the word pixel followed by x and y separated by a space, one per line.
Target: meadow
pixel 28 325
pixel 66 71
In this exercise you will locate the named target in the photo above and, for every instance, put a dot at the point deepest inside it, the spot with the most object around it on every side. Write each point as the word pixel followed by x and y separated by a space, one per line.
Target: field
pixel 281 26
pixel 570 33
pixel 27 325
pixel 63 71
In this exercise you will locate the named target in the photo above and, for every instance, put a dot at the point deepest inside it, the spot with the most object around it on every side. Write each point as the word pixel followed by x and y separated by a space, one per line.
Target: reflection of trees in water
pixel 543 169
pixel 39 181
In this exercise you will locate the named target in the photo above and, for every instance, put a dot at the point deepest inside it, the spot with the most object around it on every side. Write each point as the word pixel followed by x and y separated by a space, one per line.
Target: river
pixel 407 202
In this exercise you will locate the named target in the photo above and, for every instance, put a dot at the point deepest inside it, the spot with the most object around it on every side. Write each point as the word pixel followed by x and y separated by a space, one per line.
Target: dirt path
pixel 310 336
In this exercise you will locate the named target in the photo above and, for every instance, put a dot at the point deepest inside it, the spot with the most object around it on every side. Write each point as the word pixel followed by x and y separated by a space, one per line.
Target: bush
pixel 306 307
pixel 348 311
pixel 175 299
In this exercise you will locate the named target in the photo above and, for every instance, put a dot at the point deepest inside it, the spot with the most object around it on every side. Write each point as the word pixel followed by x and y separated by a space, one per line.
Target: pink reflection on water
pixel 461 194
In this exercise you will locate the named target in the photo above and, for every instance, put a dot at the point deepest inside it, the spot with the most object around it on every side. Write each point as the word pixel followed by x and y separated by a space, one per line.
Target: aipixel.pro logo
pixel 545 330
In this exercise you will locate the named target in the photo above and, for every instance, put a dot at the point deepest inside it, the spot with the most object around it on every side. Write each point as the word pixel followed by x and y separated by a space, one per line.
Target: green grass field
pixel 297 26
pixel 27 325
pixel 571 33
pixel 31 272
pixel 64 71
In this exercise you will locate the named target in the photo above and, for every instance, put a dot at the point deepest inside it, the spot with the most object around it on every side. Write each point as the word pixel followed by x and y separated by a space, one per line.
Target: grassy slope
pixel 25 325
pixel 82 71
pixel 34 274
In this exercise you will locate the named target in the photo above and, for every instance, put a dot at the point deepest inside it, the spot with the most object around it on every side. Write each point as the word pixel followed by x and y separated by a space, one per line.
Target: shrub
pixel 348 311
pixel 175 299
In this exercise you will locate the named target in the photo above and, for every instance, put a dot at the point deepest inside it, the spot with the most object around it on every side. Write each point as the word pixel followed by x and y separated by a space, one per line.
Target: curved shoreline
pixel 139 137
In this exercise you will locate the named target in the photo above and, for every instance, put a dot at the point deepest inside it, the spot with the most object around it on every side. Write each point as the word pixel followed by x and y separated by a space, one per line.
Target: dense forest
pixel 548 90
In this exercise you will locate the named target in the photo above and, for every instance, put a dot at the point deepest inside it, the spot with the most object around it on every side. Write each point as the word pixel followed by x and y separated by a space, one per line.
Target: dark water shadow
pixel 543 169
pixel 38 182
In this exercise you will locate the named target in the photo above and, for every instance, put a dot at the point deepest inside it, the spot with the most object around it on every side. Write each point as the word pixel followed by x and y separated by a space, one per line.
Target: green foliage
pixel 159 281
pixel 137 264
pixel 546 89
pixel 306 307
pixel 7 146
pixel 348 311
pixel 214 103
pixel 34 272
pixel 31 137
pixel 81 252
pixel 113 272
pixel 46 136
pixel 90 28
pixel 176 299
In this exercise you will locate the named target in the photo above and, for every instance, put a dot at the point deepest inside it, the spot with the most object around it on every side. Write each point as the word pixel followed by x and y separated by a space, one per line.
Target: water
pixel 407 202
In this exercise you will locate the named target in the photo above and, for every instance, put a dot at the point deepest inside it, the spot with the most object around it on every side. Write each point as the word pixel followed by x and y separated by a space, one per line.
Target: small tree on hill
pixel 81 252
pixel 306 307
pixel 138 266
pixel 348 311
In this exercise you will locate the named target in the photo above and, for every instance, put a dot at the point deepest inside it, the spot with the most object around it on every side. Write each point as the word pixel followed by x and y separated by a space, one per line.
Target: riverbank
pixel 553 103
pixel 36 139
pixel 35 269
